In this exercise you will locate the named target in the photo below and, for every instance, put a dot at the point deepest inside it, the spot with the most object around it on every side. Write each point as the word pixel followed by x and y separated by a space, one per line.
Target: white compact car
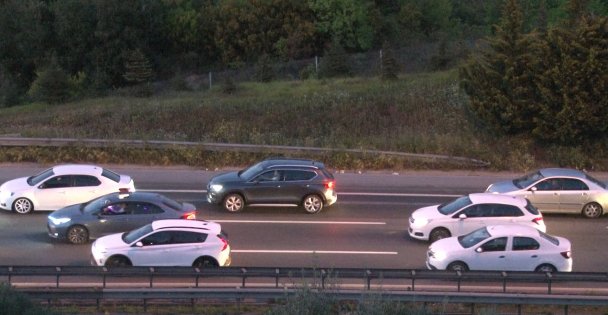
pixel 468 213
pixel 61 186
pixel 170 242
pixel 501 247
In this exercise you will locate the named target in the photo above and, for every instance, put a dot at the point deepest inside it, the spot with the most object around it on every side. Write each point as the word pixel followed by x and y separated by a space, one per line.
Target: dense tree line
pixel 90 45
pixel 550 83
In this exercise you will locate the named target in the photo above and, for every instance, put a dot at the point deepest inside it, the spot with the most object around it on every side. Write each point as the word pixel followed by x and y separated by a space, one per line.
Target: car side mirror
pixel 533 189
pixel 479 250
pixel 139 244
pixel 462 216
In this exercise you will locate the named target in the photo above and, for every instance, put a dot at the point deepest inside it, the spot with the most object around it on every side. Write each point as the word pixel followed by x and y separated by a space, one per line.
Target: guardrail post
pixel 368 277
pixel 504 282
pixel 10 275
pixel 323 276
pixel 58 269
pixel 105 272
pixel 276 282
pixel 549 276
pixel 151 269
pixel 244 272
pixel 459 274
pixel 413 280
pixel 198 274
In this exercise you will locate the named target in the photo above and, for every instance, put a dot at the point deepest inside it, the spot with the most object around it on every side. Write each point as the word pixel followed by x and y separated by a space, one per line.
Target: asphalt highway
pixel 366 228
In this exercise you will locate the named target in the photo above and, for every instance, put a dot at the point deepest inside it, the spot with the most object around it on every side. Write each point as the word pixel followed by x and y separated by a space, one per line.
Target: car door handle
pixel 534 256
pixel 503 256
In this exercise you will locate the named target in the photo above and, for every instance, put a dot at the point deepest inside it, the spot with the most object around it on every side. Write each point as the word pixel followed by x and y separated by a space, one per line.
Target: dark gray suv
pixel 275 182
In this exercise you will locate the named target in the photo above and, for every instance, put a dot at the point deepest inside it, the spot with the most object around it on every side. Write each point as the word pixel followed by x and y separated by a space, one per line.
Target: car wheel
pixel 234 203
pixel 546 268
pixel 438 234
pixel 205 262
pixel 78 234
pixel 592 210
pixel 458 266
pixel 312 204
pixel 118 261
pixel 23 206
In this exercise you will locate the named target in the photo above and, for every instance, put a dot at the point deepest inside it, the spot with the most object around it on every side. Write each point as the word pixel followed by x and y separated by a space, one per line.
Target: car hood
pixel 446 245
pixel 17 184
pixel 502 187
pixel 226 178
pixel 110 242
pixel 67 212
pixel 429 213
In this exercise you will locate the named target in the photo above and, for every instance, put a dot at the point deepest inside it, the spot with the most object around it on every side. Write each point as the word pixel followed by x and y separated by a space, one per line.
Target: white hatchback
pixel 468 213
pixel 501 247
pixel 61 186
pixel 170 242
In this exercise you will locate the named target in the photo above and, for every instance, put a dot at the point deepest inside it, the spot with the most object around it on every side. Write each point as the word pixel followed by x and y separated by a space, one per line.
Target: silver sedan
pixel 558 190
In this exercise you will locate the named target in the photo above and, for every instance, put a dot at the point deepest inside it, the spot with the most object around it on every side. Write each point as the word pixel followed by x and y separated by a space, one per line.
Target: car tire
pixel 312 204
pixel 77 234
pixel 23 206
pixel 457 266
pixel 592 210
pixel 546 268
pixel 234 203
pixel 118 261
pixel 205 262
pixel 439 233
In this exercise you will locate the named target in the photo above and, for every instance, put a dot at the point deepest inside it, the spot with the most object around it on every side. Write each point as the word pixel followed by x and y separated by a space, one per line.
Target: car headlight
pixel 216 187
pixel 58 221
pixel 420 222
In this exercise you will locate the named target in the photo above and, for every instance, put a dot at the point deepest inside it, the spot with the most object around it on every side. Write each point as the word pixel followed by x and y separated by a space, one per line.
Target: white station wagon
pixel 61 186
pixel 468 213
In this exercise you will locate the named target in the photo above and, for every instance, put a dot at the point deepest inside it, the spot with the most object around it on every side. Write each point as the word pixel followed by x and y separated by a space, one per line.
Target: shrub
pixel 13 302
pixel 51 86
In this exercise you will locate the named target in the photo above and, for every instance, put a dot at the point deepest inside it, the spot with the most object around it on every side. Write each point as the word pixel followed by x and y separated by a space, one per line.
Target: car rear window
pixel 172 203
pixel 532 209
pixel 595 181
pixel 33 180
pixel 111 175
pixel 549 238
pixel 327 173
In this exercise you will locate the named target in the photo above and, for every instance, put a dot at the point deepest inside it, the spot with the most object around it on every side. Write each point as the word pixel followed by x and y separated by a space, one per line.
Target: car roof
pixel 207 226
pixel 512 229
pixel 291 162
pixel 497 198
pixel 77 169
pixel 549 172
pixel 136 195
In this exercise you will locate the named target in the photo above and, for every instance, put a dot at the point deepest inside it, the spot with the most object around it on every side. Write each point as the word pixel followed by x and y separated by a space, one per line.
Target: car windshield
pixel 455 205
pixel 474 237
pixel 34 180
pixel 132 236
pixel 595 181
pixel 247 174
pixel 95 205
pixel 528 179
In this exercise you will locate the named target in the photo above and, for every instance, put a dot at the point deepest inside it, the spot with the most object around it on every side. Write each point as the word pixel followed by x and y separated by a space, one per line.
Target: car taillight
pixel 224 241
pixel 566 254
pixel 537 220
pixel 189 216
pixel 123 190
pixel 330 185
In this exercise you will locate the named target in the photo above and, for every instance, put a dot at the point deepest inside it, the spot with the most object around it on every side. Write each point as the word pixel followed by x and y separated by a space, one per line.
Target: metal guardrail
pixel 238 283
pixel 159 144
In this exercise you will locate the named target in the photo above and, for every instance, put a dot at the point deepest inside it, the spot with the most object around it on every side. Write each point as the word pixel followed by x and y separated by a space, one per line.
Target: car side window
pixel 57 182
pixel 500 210
pixel 474 211
pixel 145 208
pixel 184 237
pixel 270 176
pixel 573 184
pixel 158 238
pixel 525 243
pixel 495 245
pixel 86 181
pixel 548 184
pixel 295 175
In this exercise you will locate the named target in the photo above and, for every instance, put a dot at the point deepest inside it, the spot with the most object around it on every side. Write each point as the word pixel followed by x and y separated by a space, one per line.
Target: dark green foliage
pixel 229 86
pixel 442 60
pixel 499 80
pixel 390 68
pixel 263 69
pixel 51 86
pixel 137 67
pixel 335 63
pixel 13 302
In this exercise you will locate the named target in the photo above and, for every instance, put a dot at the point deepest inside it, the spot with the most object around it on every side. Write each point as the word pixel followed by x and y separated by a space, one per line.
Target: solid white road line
pixel 300 222
pixel 339 193
pixel 268 251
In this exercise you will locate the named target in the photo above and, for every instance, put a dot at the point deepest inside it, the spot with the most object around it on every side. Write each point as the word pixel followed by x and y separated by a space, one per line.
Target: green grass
pixel 419 113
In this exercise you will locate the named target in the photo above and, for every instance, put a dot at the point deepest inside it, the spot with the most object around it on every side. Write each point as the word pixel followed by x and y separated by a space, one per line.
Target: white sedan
pixel 468 213
pixel 172 242
pixel 61 186
pixel 503 248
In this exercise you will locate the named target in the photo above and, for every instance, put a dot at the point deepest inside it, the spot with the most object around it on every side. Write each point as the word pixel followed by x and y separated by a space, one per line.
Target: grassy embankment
pixel 420 113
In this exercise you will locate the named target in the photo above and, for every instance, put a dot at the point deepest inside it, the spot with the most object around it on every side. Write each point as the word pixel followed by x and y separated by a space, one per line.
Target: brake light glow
pixel 224 241
pixel 330 185
pixel 189 216
pixel 566 254
pixel 537 220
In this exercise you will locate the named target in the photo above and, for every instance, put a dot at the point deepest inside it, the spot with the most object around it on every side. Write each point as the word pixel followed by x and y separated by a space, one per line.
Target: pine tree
pixel 335 62
pixel 499 81
pixel 263 70
pixel 137 67
pixel 390 68
pixel 51 85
